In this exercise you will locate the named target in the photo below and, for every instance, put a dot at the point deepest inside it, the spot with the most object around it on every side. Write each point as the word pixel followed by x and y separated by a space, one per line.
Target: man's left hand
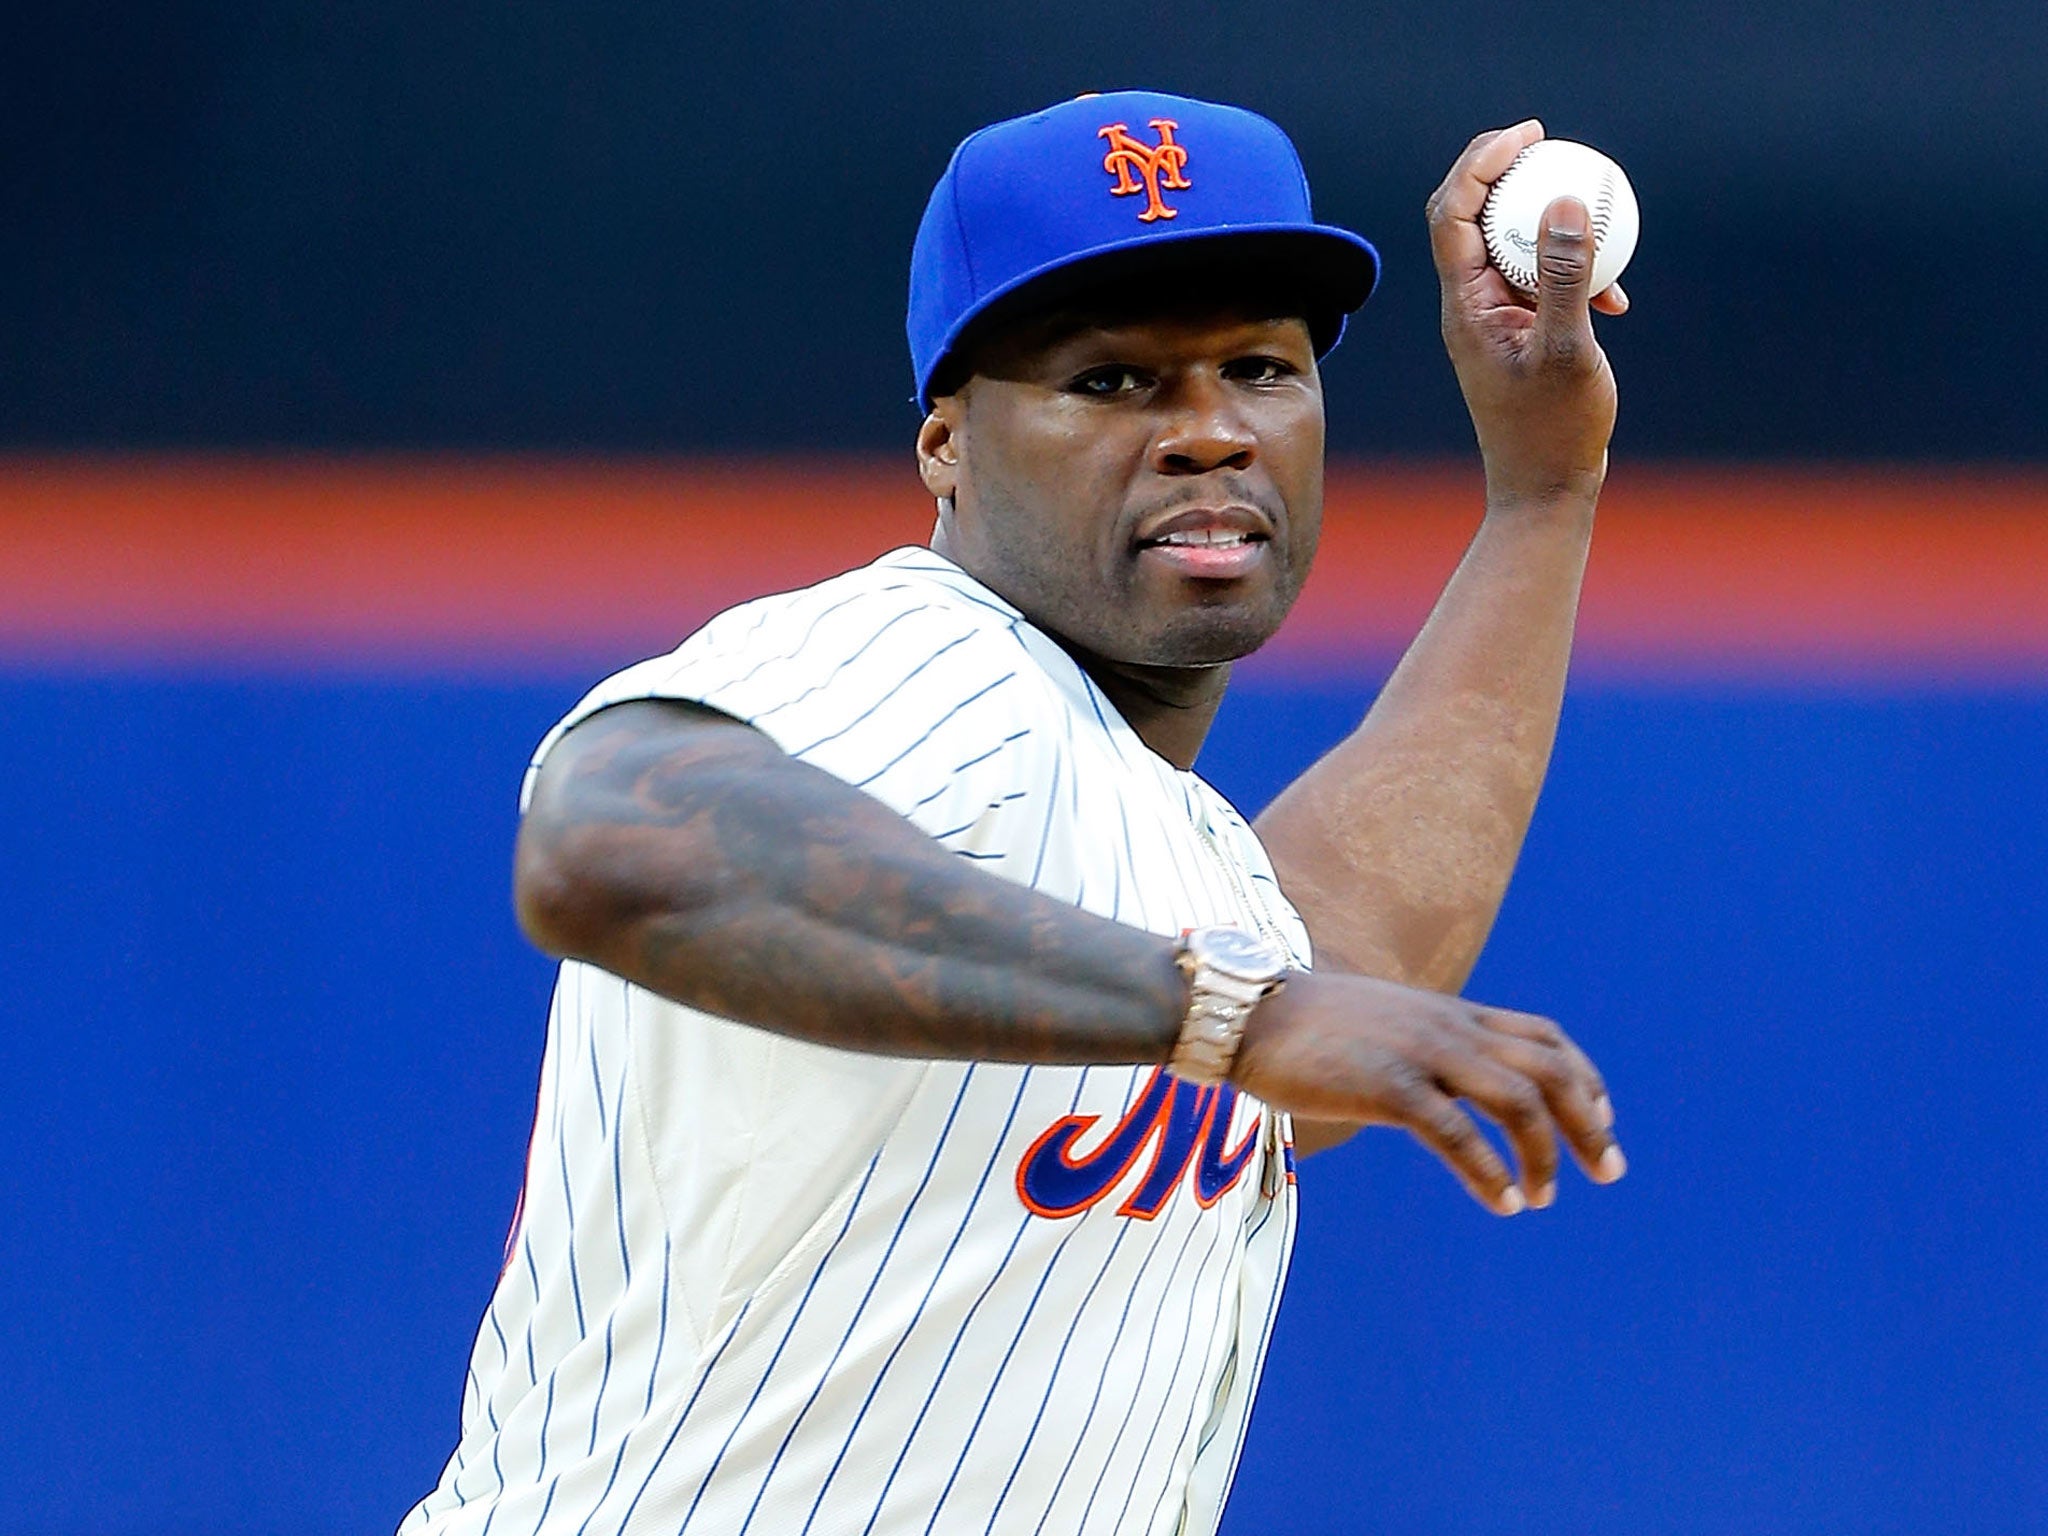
pixel 1535 380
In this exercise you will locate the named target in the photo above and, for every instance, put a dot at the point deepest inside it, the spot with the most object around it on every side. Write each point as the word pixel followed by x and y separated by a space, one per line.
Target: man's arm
pixel 1397 846
pixel 687 853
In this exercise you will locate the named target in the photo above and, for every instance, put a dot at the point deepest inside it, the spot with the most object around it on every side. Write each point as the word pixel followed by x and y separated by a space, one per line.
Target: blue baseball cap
pixel 1118 181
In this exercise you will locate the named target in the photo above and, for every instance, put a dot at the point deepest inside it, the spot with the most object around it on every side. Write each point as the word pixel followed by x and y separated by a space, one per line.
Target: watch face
pixel 1240 953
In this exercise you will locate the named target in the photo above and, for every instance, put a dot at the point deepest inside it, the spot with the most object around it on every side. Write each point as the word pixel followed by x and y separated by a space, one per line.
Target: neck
pixel 1171 708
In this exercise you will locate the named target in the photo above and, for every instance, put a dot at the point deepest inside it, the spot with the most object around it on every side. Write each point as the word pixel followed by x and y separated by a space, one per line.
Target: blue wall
pixel 272 1040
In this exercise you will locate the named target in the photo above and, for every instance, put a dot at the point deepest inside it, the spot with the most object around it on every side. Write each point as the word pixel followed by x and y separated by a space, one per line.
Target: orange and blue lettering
pixel 1185 1125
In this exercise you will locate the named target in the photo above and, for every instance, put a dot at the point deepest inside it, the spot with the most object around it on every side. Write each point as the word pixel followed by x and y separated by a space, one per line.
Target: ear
pixel 938 446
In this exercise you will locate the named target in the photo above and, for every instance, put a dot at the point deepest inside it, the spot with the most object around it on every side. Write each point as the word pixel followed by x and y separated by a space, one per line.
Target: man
pixel 914 1147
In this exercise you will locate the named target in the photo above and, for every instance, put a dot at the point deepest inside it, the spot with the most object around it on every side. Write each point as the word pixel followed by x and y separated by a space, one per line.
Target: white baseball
pixel 1542 173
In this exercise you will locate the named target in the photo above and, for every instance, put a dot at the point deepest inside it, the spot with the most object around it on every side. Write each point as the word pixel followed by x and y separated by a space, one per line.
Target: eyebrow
pixel 1060 330
pixel 1030 342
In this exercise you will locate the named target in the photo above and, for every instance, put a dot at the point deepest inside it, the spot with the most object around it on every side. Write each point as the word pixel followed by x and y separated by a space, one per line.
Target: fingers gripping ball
pixel 1545 171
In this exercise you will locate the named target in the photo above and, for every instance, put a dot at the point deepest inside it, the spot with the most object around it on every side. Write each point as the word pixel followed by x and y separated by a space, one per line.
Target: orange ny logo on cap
pixel 1159 165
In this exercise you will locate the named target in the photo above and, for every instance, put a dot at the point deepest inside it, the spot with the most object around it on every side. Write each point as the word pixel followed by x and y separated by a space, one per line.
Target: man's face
pixel 1148 489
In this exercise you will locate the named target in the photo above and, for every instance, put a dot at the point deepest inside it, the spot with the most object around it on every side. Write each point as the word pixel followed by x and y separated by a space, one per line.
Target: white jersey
pixel 760 1285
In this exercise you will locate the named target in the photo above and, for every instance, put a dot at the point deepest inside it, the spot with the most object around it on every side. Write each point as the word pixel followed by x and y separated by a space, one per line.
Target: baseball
pixel 1542 173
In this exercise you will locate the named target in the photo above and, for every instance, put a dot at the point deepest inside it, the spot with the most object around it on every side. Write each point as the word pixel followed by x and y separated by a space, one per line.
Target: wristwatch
pixel 1228 971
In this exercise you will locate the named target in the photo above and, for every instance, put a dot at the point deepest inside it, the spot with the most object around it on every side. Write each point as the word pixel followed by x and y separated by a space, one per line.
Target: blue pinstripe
pixel 533 1278
pixel 597 1087
pixel 546 1504
pixel 1105 712
pixel 796 1423
pixel 653 1372
pixel 960 1334
pixel 617 1138
pixel 1003 1365
pixel 1129 861
pixel 732 1332
pixel 575 1276
pixel 1052 1379
pixel 1272 1305
pixel 948 782
pixel 992 751
pixel 868 713
pixel 1023 1324
pixel 944 1365
pixel 1279 1275
pixel 1079 895
pixel 796 1317
pixel 1180 1361
pixel 967 826
pixel 611 1322
pixel 938 1270
pixel 768 610
pixel 661 1333
pixel 497 1465
pixel 830 677
pixel 933 728
pixel 1045 832
pixel 1280 1203
pixel 1145 1364
pixel 597 1408
pixel 619 1186
pixel 1109 1359
pixel 461 1460
pixel 961 585
pixel 540 1443
pixel 482 1401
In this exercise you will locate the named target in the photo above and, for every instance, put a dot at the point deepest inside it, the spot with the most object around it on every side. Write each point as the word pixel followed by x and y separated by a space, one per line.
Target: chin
pixel 1209 638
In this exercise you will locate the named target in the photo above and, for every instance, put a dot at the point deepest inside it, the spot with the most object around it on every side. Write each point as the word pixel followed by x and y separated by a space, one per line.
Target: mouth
pixel 1219 544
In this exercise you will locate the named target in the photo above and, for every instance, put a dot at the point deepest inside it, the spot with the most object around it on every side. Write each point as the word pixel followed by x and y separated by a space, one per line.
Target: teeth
pixel 1209 536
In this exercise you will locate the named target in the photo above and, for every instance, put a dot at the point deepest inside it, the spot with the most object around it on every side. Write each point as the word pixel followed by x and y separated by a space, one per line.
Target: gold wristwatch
pixel 1228 971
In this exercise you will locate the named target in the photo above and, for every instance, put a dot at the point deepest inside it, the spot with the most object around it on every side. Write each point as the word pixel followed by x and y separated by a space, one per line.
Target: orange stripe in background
pixel 512 565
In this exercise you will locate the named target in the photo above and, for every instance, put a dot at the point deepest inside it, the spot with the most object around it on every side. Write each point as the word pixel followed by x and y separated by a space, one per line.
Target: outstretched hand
pixel 1537 384
pixel 1352 1050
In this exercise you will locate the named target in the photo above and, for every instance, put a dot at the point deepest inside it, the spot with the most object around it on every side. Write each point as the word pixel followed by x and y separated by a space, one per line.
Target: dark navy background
pixel 272 1040
pixel 673 226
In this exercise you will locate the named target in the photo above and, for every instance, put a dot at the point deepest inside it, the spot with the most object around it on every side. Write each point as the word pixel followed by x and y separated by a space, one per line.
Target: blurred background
pixel 374 378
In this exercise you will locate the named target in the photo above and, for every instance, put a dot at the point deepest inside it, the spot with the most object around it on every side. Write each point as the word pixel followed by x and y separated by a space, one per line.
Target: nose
pixel 1203 429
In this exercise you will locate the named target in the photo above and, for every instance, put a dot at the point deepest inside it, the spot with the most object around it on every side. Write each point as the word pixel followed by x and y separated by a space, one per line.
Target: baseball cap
pixel 1117 182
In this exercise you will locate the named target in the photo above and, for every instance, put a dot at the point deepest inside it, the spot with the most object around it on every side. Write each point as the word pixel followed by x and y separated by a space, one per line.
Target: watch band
pixel 1228 973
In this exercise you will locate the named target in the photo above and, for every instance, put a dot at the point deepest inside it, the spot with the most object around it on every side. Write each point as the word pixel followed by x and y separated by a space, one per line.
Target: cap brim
pixel 1331 270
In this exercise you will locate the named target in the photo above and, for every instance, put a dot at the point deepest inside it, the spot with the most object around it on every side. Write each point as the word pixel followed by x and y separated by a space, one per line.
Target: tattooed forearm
pixel 687 853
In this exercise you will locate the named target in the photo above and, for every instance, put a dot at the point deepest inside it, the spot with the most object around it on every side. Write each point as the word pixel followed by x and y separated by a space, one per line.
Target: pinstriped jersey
pixel 762 1285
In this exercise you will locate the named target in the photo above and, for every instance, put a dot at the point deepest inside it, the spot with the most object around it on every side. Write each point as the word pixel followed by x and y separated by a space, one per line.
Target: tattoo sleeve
pixel 686 852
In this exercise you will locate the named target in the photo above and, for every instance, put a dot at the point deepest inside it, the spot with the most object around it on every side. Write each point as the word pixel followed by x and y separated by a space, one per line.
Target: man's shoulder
pixel 911 614
pixel 845 672
pixel 911 586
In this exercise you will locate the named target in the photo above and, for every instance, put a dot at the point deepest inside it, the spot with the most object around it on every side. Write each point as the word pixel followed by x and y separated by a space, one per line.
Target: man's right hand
pixel 1353 1050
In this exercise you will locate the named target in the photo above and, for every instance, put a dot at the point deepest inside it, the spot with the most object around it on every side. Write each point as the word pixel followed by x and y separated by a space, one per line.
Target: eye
pixel 1109 380
pixel 1260 370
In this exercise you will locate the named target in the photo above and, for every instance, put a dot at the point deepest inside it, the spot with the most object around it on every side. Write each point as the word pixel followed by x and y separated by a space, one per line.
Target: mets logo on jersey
pixel 1141 167
pixel 1189 1128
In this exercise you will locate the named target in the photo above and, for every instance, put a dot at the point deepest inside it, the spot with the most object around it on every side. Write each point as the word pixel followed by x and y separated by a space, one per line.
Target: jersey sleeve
pixel 926 700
